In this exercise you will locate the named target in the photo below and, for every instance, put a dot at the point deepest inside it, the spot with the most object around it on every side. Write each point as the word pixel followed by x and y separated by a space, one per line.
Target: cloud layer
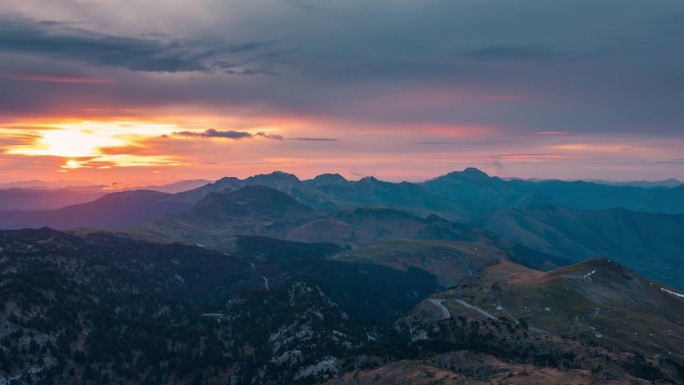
pixel 334 82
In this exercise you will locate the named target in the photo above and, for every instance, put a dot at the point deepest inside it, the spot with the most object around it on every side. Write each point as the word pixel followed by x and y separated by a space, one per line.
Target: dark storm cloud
pixel 62 40
pixel 235 135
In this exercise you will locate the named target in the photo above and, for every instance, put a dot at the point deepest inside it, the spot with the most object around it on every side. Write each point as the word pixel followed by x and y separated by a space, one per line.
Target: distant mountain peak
pixel 369 178
pixel 371 182
pixel 468 173
pixel 227 179
pixel 472 171
pixel 328 179
pixel 280 174
pixel 276 177
pixel 331 176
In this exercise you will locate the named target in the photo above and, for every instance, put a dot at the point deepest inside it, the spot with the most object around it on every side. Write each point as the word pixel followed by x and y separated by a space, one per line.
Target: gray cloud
pixel 62 40
pixel 235 135
pixel 671 161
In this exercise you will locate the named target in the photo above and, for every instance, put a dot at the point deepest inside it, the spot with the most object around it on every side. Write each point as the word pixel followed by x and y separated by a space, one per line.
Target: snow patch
pixel 287 334
pixel 290 357
pixel 588 275
pixel 179 279
pixel 419 335
pixel 329 365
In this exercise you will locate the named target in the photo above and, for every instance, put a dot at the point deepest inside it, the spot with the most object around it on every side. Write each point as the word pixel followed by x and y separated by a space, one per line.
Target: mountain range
pixel 572 220
pixel 465 196
pixel 464 278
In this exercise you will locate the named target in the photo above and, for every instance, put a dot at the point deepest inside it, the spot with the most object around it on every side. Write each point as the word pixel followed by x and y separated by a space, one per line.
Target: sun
pixel 69 143
pixel 77 144
pixel 87 139
pixel 96 144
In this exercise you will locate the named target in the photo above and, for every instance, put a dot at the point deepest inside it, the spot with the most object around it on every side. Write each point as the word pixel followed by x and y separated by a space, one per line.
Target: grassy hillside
pixel 597 301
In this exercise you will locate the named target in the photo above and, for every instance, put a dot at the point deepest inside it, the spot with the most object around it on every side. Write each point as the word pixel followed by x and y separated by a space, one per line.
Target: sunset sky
pixel 130 91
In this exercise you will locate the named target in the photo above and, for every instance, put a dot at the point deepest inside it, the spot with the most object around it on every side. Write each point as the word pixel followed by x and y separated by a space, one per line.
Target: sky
pixel 156 91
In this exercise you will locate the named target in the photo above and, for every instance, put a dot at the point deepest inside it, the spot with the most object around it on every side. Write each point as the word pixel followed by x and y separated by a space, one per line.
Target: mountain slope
pixel 595 316
pixel 44 199
pixel 107 309
pixel 597 300
pixel 449 261
pixel 220 218
pixel 250 201
pixel 651 244
pixel 118 210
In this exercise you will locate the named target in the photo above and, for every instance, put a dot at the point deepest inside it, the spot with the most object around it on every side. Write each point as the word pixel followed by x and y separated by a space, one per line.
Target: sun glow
pixel 88 144
pixel 68 144
pixel 72 164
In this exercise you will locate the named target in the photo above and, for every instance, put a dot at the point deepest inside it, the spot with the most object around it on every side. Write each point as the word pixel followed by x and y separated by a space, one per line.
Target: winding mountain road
pixel 438 303
pixel 477 309
pixel 259 274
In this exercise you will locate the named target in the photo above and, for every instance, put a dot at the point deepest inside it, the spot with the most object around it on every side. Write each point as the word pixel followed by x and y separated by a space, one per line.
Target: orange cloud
pixel 583 147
